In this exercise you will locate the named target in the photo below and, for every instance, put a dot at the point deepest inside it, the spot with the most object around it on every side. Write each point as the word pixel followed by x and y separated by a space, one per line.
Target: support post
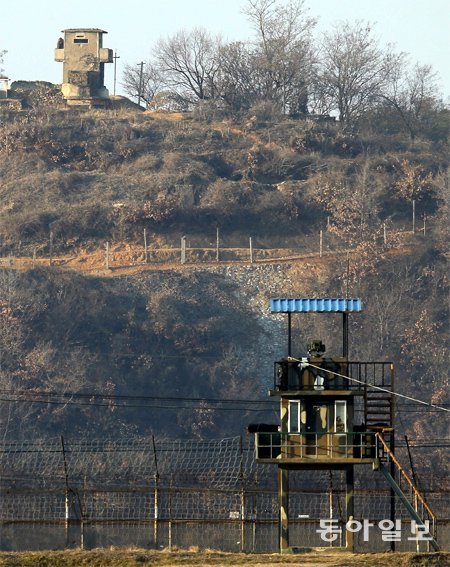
pixel 115 70
pixel 67 496
pixel 183 250
pixel 156 496
pixel 51 248
pixel 141 75
pixel 145 247
pixel 345 335
pixel 254 508
pixel 217 244
pixel 392 492
pixel 392 448
pixel 107 255
pixel 170 515
pixel 241 474
pixel 349 506
pixel 414 216
pixel 330 499
pixel 283 501
pixel 242 520
pixel 320 243
pixel 251 250
pixel 384 234
pixel 289 334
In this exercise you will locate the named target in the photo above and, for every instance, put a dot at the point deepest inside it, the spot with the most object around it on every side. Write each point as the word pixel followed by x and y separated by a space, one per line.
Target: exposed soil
pixel 125 558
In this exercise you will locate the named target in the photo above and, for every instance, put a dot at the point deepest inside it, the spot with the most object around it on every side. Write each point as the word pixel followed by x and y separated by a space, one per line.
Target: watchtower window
pixel 340 416
pixel 80 40
pixel 297 416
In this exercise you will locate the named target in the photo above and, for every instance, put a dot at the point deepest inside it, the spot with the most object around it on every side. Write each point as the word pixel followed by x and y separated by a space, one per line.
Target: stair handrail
pixel 406 476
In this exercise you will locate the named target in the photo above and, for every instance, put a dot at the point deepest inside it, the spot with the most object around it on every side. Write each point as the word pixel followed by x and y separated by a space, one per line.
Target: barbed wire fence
pixel 163 493
pixel 195 249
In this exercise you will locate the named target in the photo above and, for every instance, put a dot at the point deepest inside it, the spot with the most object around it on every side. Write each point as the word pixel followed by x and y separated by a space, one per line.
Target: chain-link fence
pixel 152 493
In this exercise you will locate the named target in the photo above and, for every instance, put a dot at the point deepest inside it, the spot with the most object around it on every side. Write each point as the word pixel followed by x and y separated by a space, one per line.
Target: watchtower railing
pixel 316 445
pixel 293 374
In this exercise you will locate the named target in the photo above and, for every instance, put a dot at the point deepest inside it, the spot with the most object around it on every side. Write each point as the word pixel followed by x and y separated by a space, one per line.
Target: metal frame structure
pixel 312 391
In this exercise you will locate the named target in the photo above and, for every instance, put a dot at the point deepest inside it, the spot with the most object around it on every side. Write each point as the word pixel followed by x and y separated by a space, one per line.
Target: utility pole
pixel 141 76
pixel 115 69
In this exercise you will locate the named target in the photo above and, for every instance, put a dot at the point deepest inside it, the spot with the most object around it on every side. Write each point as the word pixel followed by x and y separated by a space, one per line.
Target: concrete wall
pixel 83 57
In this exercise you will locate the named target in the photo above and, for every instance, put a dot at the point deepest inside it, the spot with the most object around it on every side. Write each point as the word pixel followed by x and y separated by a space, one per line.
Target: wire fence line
pixel 189 249
pixel 208 493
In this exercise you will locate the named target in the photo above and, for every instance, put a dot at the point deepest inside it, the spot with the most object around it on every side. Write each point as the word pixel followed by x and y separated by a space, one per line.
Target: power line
pixel 417 401
pixel 134 406
pixel 161 402
pixel 134 397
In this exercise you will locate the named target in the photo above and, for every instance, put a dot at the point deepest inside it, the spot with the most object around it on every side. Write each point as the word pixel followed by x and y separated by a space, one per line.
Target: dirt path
pixel 128 259
pixel 131 558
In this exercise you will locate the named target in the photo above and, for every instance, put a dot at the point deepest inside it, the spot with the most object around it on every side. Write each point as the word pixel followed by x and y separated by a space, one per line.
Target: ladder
pixel 415 502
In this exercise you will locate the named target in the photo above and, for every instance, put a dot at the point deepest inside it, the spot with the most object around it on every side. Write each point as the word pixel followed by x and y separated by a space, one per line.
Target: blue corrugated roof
pixel 323 305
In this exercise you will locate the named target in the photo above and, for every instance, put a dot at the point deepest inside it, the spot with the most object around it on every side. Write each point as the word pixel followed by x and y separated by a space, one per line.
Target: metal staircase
pixel 412 498
pixel 378 409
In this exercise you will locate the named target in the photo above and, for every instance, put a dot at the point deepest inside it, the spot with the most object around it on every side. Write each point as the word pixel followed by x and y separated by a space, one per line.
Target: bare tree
pixel 145 86
pixel 189 62
pixel 351 72
pixel 2 53
pixel 411 92
pixel 283 51
pixel 240 80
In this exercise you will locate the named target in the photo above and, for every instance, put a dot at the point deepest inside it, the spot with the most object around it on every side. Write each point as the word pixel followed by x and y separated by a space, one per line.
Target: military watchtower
pixel 83 56
pixel 334 414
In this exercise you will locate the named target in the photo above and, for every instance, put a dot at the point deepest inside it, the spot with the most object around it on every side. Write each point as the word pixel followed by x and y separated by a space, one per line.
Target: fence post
pixel 156 492
pixel 34 257
pixel 51 248
pixel 254 509
pixel 217 244
pixel 85 486
pixel 414 216
pixel 107 255
pixel 251 250
pixel 183 250
pixel 384 233
pixel 424 223
pixel 320 243
pixel 241 473
pixel 145 247
pixel 170 514
pixel 67 517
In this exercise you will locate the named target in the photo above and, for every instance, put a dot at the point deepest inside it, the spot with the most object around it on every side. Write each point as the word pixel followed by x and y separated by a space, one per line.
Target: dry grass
pixel 137 557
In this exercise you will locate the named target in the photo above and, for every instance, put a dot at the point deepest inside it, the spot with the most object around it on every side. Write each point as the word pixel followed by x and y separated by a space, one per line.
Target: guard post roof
pixel 81 30
pixel 315 305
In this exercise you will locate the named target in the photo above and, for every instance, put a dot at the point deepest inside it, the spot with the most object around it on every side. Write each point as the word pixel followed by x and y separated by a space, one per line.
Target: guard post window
pixel 297 416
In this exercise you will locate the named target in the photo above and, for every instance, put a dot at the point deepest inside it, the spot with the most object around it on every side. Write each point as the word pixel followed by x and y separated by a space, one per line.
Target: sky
pixel 30 29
